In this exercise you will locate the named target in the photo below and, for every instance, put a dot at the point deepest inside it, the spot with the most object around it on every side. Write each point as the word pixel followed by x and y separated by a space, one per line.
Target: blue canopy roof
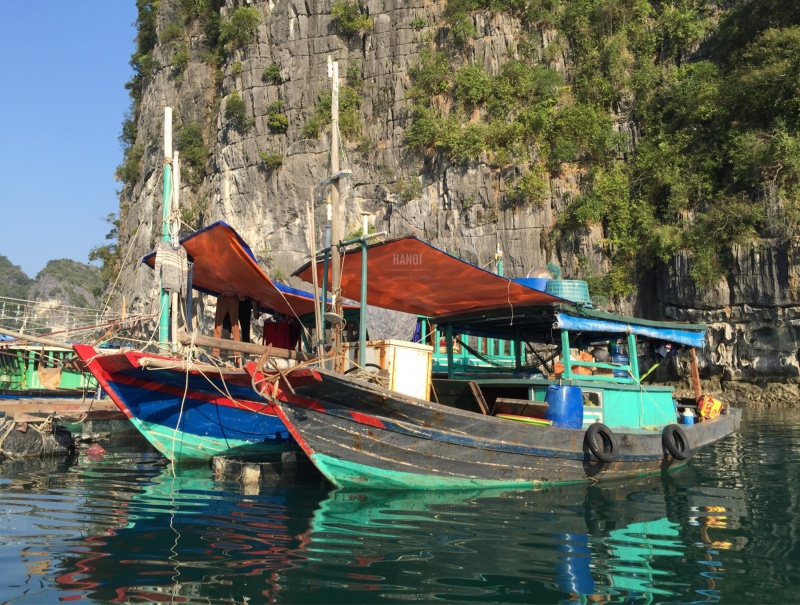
pixel 687 334
pixel 542 324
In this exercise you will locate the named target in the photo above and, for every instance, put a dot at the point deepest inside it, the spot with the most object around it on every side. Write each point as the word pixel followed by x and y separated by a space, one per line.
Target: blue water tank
pixel 564 406
pixel 623 360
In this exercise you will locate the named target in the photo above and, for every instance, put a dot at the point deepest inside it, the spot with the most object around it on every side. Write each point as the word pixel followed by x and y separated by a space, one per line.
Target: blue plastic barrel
pixel 621 359
pixel 564 406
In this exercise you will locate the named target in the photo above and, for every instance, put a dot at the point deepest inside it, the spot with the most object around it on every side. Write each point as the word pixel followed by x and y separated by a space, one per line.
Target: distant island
pixel 67 281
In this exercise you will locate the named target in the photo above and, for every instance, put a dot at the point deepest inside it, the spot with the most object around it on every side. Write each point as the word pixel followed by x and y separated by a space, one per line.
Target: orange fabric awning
pixel 224 265
pixel 409 275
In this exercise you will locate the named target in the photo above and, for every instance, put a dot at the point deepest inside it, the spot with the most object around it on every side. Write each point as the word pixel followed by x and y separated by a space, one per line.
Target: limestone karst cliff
pixel 245 122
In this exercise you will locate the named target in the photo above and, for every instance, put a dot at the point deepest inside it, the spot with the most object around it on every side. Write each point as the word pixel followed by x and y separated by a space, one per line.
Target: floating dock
pixel 86 419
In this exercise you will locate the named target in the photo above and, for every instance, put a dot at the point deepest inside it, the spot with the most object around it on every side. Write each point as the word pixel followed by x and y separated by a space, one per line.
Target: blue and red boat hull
pixel 188 415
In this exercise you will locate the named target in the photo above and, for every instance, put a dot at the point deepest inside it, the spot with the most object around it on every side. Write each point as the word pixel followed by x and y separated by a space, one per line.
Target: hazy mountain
pixel 13 281
pixel 67 281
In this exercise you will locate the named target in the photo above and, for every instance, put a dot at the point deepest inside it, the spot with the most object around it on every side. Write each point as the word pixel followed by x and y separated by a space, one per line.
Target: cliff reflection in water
pixel 726 529
pixel 185 538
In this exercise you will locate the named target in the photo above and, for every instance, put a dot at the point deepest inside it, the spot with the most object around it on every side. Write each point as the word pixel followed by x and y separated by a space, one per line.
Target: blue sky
pixel 63 68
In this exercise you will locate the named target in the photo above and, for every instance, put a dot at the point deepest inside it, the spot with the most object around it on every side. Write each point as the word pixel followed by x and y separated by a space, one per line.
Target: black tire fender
pixel 675 442
pixel 602 442
pixel 367 365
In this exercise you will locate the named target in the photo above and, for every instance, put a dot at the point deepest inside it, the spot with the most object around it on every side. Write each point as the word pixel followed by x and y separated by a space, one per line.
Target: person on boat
pixel 227 318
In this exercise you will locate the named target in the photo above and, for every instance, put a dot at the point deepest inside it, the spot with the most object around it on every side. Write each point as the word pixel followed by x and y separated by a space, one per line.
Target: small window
pixel 593 398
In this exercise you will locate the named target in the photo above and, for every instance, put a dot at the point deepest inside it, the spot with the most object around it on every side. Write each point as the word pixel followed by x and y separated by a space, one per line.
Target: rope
pixel 317 361
pixel 124 263
pixel 6 433
pixel 44 427
pixel 508 299
pixel 376 378
pixel 180 415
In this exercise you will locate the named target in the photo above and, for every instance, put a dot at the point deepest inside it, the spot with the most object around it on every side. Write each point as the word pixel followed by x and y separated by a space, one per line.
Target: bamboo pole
pixel 336 224
pixel 698 388
pixel 318 348
pixel 37 339
pixel 241 347
pixel 169 364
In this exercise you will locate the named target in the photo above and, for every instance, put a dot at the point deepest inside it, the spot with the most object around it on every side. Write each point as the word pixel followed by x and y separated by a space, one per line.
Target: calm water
pixel 125 529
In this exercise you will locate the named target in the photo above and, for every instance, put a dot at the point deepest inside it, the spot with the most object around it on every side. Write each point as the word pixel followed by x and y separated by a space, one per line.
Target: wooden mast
pixel 336 222
pixel 697 387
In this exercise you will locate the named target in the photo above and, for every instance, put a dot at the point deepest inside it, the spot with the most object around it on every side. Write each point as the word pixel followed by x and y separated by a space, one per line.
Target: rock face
pixel 753 315
pixel 67 282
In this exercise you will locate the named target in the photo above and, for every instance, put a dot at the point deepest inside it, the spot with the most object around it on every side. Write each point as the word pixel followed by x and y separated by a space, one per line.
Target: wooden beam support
pixel 698 388
pixel 241 347
pixel 36 339
pixel 180 364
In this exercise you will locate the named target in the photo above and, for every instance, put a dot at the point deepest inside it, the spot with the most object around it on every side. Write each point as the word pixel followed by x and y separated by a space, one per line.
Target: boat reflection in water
pixel 185 538
pixel 588 544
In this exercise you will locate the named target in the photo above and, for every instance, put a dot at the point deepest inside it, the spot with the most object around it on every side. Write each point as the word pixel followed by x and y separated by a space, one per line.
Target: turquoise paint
pixel 637 408
pixel 494 357
pixel 20 369
pixel 623 405
pixel 565 356
pixel 449 344
pixel 633 357
pixel 178 446
pixel 349 474
pixel 163 320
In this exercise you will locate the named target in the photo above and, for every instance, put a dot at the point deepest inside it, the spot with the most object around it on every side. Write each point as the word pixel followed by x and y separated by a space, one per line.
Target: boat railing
pixel 616 370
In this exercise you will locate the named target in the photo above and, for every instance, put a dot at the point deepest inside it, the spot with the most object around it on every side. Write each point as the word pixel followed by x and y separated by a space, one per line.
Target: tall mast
pixel 163 316
pixel 336 222
pixel 174 234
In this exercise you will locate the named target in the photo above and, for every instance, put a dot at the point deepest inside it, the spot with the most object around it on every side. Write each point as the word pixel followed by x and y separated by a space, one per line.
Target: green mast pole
pixel 362 320
pixel 163 317
pixel 499 260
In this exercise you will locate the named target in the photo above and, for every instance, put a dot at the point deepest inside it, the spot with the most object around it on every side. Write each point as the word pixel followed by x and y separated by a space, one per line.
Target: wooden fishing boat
pixel 40 371
pixel 190 410
pixel 401 428
pixel 186 409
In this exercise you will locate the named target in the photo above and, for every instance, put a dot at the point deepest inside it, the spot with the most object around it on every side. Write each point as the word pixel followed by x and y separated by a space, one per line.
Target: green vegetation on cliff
pixel 13 281
pixel 108 255
pixel 73 283
pixel 678 119
pixel 705 149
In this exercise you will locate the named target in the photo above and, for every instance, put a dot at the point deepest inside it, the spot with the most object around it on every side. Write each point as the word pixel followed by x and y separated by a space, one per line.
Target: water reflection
pixel 587 544
pixel 125 529
pixel 186 538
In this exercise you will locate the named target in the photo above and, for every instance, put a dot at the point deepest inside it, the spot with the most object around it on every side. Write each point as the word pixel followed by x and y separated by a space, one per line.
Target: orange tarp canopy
pixel 224 265
pixel 409 275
